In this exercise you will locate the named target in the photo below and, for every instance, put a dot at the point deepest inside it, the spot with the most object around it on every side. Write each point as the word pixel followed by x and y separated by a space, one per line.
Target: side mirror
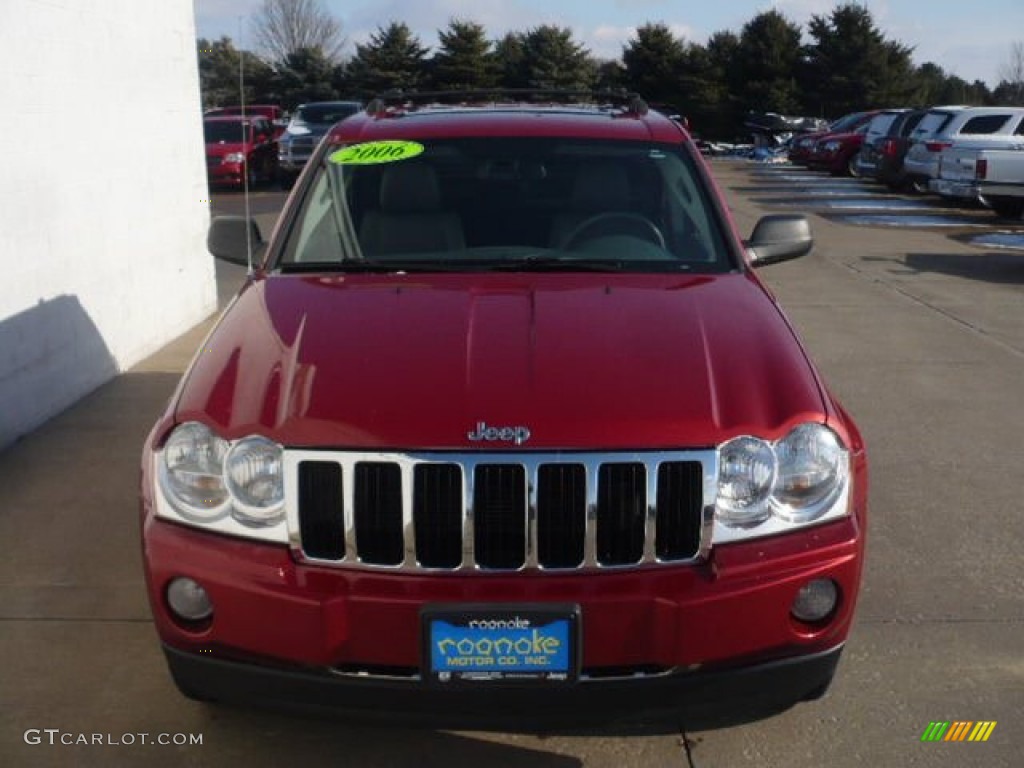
pixel 229 239
pixel 779 238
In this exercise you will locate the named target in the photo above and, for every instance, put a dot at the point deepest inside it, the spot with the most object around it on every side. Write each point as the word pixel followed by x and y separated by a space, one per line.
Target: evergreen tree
pixel 219 71
pixel 393 59
pixel 305 75
pixel 464 59
pixel 851 66
pixel 718 111
pixel 552 59
pixel 653 63
pixel 611 75
pixel 509 56
pixel 768 59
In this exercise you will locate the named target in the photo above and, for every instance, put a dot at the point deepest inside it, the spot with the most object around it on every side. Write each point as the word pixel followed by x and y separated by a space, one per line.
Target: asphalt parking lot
pixel 921 335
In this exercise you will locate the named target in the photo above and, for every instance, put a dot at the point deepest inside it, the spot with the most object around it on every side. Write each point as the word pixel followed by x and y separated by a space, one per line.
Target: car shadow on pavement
pixel 323 740
pixel 1002 267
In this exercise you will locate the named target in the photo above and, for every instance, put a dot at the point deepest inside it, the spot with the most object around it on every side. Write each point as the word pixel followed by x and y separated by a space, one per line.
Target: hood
pixel 419 362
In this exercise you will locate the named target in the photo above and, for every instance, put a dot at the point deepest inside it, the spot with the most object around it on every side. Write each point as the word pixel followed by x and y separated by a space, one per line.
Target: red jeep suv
pixel 504 431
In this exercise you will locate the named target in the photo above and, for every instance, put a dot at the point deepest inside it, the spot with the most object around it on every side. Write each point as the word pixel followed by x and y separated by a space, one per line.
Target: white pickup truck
pixel 994 176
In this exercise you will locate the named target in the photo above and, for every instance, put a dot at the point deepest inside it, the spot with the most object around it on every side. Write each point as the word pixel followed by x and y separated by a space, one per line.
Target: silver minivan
pixel 944 127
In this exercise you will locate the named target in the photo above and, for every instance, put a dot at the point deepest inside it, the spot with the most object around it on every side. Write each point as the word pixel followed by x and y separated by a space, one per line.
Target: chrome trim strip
pixel 468 526
pixel 408 526
pixel 348 495
pixel 532 473
pixel 416 677
pixel 530 462
pixel 650 512
pixel 593 475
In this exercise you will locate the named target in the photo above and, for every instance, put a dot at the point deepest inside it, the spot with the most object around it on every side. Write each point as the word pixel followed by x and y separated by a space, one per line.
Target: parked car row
pixel 967 153
pixel 258 144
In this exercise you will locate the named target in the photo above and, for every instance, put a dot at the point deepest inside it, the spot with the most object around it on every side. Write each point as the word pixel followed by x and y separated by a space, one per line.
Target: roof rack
pixel 396 102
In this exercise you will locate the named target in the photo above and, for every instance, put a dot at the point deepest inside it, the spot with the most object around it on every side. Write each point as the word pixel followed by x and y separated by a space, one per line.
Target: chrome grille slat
pixel 651 514
pixel 408 527
pixel 468 530
pixel 656 509
pixel 590 532
pixel 532 489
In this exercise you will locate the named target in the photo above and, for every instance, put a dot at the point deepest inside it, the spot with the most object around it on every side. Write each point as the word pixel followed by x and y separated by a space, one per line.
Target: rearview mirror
pixel 229 239
pixel 779 238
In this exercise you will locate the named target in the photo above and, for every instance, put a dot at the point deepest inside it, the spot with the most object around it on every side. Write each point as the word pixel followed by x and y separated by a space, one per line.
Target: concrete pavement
pixel 929 361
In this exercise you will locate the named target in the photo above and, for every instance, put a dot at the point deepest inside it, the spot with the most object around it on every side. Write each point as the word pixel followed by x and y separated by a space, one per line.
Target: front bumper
pixel 285 633
pixel 226 173
pixel 695 700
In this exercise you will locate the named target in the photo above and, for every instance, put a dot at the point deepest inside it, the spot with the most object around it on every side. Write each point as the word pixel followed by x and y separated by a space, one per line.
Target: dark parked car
pixel 308 125
pixel 239 146
pixel 887 152
pixel 867 159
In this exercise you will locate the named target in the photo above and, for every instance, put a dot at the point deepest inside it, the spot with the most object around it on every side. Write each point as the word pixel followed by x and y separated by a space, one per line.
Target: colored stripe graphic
pixel 934 731
pixel 958 730
pixel 982 731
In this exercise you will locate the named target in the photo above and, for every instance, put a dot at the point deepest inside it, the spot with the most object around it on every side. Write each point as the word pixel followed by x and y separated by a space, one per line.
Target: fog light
pixel 189 600
pixel 815 601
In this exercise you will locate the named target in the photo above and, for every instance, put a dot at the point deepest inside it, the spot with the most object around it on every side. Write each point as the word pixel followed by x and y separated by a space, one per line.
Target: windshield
pixel 328 114
pixel 507 203
pixel 225 133
pixel 846 123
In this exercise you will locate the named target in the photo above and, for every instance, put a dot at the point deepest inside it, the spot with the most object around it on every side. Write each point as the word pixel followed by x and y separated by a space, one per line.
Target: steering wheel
pixel 615 221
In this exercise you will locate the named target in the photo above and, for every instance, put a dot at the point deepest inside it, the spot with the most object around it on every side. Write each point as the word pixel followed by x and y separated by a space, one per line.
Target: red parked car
pixel 272 112
pixel 239 145
pixel 836 152
pixel 504 431
pixel 802 149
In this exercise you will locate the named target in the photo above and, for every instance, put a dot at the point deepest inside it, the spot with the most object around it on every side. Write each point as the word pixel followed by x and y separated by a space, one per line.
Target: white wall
pixel 102 196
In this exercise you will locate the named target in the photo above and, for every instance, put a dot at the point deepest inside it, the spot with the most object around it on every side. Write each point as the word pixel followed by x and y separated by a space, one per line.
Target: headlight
pixel 766 488
pixel 192 472
pixel 746 474
pixel 298 129
pixel 232 487
pixel 252 470
pixel 812 470
pixel 234 157
pixel 832 146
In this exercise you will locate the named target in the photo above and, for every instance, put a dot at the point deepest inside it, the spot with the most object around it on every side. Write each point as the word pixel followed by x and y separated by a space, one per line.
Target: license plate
pixel 482 643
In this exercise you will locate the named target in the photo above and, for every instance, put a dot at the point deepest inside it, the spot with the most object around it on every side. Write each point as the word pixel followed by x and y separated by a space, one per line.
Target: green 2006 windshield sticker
pixel 373 152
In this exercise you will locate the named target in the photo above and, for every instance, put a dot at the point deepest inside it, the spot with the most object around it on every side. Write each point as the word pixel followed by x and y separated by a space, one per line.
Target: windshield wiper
pixel 545 263
pixel 363 265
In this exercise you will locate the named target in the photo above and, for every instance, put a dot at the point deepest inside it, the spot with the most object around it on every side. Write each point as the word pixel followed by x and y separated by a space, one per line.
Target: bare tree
pixel 284 27
pixel 1012 71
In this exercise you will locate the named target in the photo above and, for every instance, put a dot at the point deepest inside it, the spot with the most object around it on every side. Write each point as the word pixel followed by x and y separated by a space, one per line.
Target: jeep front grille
pixel 499 511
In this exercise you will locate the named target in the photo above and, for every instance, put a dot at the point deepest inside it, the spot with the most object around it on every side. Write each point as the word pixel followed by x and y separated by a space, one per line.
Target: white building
pixel 103 198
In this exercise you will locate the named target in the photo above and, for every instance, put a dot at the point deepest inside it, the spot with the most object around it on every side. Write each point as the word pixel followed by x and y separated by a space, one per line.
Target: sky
pixel 968 38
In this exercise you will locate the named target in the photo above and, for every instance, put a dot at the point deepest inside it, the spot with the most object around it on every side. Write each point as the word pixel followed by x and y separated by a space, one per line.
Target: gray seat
pixel 598 188
pixel 410 219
